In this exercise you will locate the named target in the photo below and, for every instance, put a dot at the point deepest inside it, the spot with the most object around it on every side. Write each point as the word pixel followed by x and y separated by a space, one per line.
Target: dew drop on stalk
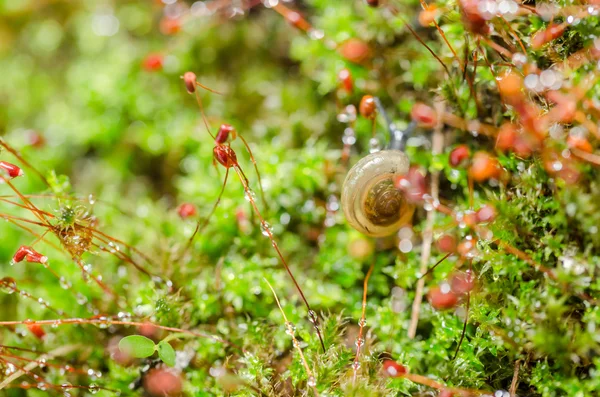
pixel 93 388
pixel 64 283
pixel 356 366
pixel 80 298
pixel 266 228
pixel 249 195
pixel 290 328
pixel 41 386
pixel 359 342
pixel 312 382
pixel 8 285
pixel 362 322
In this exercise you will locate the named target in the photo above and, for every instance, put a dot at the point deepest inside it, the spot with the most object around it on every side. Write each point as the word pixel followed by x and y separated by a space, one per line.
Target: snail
pixel 370 201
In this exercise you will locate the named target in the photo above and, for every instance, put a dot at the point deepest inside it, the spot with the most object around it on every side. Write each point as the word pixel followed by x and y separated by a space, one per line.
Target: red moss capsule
pixel 484 167
pixel 507 135
pixel 223 133
pixel 372 3
pixel 367 107
pixel 186 210
pixel 393 369
pixel 30 255
pixel 37 331
pixel 413 184
pixel 428 15
pixel 12 170
pixel 472 17
pixel 462 282
pixel 148 330
pixel 467 248
pixel 345 78
pixel 424 115
pixel 578 142
pixel 442 298
pixel 459 155
pixel 446 243
pixel 542 37
pixel 163 382
pixel 565 109
pixel 355 50
pixel 189 79
pixel 485 214
pixel 153 62
pixel 35 139
pixel 170 26
pixel 510 85
pixel 225 156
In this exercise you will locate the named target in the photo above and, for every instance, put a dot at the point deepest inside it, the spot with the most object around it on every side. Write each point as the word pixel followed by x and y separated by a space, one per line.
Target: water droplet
pixel 249 195
pixel 312 382
pixel 374 145
pixel 362 322
pixel 93 388
pixel 92 199
pixel 359 342
pixel 8 285
pixel 64 283
pixel 81 299
pixel 356 366
pixel 42 386
pixel 266 229
pixel 290 328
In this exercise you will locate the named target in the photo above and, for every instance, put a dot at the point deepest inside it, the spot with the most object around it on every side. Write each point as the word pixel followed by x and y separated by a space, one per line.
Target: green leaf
pixel 137 346
pixel 166 353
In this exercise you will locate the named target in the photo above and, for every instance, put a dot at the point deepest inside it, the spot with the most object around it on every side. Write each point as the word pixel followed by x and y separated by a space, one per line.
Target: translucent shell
pixel 371 203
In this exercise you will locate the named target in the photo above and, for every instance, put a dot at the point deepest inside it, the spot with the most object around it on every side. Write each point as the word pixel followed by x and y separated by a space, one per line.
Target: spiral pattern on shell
pixel 371 203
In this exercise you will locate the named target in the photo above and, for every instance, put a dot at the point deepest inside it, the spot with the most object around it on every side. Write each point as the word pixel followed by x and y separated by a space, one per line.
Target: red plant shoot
pixel 224 154
pixel 12 170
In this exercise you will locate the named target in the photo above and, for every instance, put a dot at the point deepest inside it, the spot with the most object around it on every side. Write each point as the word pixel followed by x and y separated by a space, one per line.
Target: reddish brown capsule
pixel 223 133
pixel 37 331
pixel 367 107
pixel 372 3
pixel 484 167
pixel 446 243
pixel 485 214
pixel 186 210
pixel 462 282
pixel 163 382
pixel 346 80
pixel 472 17
pixel 553 31
pixel 424 115
pixel 189 79
pixel 459 155
pixel 393 369
pixel 30 255
pixel 355 50
pixel 225 156
pixel 153 62
pixel 506 137
pixel 12 170
pixel 580 143
pixel 428 15
pixel 413 184
pixel 442 297
pixel 467 248
pixel 170 26
pixel 35 139
pixel 510 85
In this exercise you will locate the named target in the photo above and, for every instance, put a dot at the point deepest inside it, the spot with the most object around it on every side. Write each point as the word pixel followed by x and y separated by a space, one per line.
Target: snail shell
pixel 371 203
